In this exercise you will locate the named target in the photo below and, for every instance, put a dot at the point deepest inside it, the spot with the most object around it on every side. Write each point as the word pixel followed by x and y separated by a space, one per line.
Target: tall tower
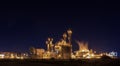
pixel 49 44
pixel 69 35
pixel 64 36
pixel 69 41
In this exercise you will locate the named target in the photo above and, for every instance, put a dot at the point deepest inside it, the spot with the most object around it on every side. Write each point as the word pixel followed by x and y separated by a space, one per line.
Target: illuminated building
pixel 84 52
pixel 13 55
pixel 8 55
pixel 2 56
pixel 39 53
pixel 50 50
pixel 111 54
pixel 62 49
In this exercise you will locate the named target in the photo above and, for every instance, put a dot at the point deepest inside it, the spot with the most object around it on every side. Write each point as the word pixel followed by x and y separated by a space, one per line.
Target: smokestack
pixel 69 35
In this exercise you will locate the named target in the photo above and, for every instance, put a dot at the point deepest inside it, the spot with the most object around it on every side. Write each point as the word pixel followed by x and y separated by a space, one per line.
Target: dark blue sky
pixel 26 25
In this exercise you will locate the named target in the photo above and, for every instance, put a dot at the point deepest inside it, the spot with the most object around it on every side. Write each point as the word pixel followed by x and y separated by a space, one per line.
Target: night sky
pixel 26 25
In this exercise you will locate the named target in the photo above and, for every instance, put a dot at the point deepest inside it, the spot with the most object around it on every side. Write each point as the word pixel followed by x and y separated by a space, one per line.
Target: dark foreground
pixel 91 62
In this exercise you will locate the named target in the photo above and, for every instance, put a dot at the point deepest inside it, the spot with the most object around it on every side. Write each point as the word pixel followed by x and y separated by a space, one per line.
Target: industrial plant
pixel 61 49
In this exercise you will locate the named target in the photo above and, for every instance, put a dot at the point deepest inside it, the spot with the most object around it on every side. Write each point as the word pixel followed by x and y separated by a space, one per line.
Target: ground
pixel 52 62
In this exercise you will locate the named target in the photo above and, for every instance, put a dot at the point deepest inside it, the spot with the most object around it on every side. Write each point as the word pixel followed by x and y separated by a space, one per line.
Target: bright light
pixel 2 55
pixel 113 53
pixel 92 55
pixel 84 55
pixel 88 57
pixel 83 50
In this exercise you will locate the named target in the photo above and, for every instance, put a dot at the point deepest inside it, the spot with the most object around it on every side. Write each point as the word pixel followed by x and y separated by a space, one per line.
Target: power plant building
pixel 63 49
